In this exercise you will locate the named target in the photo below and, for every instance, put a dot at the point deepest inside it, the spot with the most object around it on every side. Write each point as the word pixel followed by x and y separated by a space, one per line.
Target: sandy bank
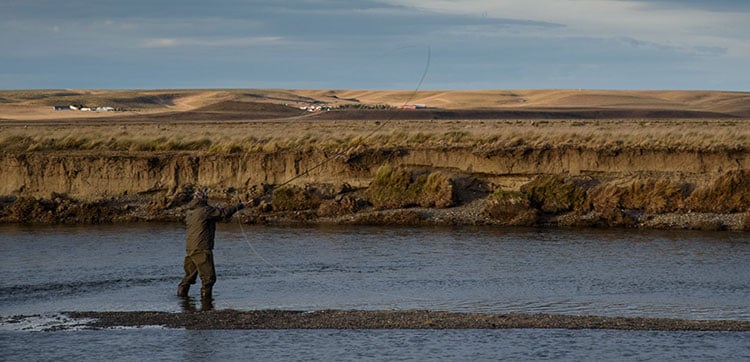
pixel 407 319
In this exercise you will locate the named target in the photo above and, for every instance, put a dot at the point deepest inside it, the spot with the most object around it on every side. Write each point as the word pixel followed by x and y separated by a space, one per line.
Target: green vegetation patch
pixel 398 188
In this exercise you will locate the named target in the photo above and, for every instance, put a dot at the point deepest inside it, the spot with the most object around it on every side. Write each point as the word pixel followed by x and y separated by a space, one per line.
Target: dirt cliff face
pixel 154 185
pixel 95 175
pixel 86 175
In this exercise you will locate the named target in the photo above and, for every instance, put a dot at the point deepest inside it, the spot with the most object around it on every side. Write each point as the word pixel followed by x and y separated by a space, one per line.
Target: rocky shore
pixel 406 319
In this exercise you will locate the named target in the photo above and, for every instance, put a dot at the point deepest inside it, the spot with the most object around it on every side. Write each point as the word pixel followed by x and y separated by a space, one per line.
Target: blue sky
pixel 375 44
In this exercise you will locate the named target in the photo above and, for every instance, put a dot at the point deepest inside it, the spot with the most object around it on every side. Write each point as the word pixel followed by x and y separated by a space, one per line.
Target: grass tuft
pixel 729 192
pixel 397 188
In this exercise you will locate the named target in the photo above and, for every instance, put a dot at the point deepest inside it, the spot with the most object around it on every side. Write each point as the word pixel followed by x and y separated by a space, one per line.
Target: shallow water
pixel 375 345
pixel 676 274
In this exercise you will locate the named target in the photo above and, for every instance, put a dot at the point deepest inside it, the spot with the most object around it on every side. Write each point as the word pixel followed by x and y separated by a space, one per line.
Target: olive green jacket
pixel 201 221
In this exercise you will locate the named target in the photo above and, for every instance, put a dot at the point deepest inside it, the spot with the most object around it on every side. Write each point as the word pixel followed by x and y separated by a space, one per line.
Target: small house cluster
pixel 316 108
pixel 412 106
pixel 324 107
pixel 79 107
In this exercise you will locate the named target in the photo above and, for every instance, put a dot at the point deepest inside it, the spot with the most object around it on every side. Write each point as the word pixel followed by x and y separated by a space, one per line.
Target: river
pixel 677 274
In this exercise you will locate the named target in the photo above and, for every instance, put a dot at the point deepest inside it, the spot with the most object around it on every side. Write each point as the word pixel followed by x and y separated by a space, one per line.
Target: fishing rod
pixel 323 162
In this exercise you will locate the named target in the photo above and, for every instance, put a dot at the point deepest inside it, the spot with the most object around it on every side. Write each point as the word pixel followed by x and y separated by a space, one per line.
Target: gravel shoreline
pixel 380 319
pixel 473 214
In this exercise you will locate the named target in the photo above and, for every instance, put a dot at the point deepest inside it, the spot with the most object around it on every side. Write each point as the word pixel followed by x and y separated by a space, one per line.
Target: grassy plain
pixel 228 121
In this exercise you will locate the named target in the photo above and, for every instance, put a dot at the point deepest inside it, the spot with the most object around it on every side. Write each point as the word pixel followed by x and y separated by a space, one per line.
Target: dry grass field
pixel 488 135
pixel 270 120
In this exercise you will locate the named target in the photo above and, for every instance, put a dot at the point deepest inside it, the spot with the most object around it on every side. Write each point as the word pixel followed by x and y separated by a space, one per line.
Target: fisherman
pixel 201 221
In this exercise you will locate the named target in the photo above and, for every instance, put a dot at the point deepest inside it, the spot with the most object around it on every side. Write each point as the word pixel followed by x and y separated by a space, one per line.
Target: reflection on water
pixel 683 274
pixel 190 305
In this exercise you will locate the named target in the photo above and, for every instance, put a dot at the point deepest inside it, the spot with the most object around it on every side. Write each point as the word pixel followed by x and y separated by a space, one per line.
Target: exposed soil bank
pixel 646 188
pixel 91 175
pixel 408 319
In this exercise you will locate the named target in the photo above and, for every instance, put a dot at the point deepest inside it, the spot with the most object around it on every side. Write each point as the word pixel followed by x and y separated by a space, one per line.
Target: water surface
pixel 376 345
pixel 679 274
pixel 676 274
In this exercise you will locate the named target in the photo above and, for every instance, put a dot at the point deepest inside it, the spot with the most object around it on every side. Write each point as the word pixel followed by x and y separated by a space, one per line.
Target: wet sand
pixel 381 319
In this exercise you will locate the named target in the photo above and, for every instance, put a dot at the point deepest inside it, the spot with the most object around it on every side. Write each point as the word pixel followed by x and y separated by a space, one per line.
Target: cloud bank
pixel 613 44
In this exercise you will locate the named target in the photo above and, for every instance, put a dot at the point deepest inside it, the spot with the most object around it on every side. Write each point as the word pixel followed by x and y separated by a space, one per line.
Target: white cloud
pixel 475 43
pixel 161 43
pixel 677 27
pixel 217 42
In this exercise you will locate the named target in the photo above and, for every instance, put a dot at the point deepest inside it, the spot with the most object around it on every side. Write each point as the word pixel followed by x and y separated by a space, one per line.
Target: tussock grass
pixel 398 187
pixel 649 195
pixel 393 188
pixel 728 193
pixel 485 137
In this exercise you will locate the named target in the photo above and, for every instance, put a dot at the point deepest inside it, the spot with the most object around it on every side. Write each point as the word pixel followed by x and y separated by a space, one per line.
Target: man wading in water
pixel 201 221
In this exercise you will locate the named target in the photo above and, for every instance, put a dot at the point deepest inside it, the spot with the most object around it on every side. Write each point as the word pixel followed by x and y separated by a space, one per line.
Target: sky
pixel 375 44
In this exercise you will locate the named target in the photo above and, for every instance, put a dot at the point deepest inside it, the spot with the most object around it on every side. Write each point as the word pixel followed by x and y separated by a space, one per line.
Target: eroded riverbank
pixel 382 166
pixel 524 186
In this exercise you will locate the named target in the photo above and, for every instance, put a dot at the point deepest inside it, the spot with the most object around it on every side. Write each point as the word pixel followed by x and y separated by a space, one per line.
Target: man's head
pixel 201 195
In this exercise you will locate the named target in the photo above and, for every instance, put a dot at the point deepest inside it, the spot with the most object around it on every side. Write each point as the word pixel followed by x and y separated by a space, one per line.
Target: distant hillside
pixel 238 104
